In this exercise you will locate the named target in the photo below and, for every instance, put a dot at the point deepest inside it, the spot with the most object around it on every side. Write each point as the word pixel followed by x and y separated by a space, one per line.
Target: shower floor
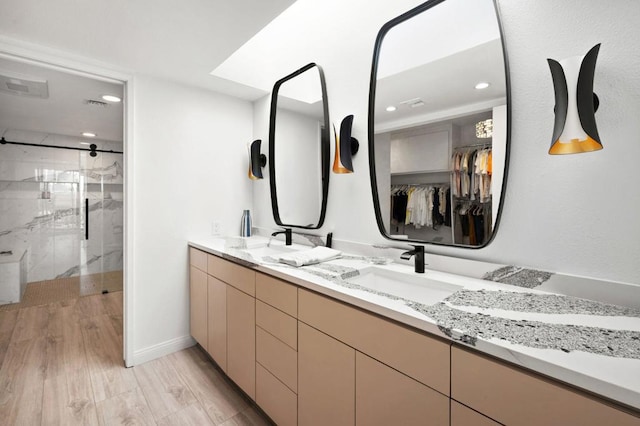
pixel 50 291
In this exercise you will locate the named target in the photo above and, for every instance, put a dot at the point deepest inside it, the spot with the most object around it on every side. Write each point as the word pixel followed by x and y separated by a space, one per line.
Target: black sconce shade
pixel 575 129
pixel 256 160
pixel 346 147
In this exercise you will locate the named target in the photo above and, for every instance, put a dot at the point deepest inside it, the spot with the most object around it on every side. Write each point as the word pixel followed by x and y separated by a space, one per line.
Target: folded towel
pixel 309 257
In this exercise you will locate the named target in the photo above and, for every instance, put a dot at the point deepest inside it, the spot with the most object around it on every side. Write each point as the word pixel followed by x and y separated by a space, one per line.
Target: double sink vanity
pixel 348 341
pixel 368 341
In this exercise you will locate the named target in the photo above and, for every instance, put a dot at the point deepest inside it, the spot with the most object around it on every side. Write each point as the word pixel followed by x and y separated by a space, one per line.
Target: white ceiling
pixel 184 41
pixel 65 111
pixel 437 57
pixel 448 28
pixel 446 86
pixel 176 40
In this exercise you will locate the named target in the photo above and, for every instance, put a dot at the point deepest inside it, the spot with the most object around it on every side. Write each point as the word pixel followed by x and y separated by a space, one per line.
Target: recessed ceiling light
pixel 85 143
pixel 88 135
pixel 111 98
pixel 391 108
pixel 482 85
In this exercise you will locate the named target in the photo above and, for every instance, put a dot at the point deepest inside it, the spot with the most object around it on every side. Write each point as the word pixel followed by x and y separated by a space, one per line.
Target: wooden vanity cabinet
pixel 513 396
pixel 385 396
pixel 424 358
pixel 326 379
pixel 240 321
pixel 465 416
pixel 350 358
pixel 222 316
pixel 217 321
pixel 309 359
pixel 198 296
pixel 275 399
pixel 241 340
pixel 277 349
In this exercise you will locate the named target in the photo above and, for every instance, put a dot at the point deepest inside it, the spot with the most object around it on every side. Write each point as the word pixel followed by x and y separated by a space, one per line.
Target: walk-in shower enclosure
pixel 64 209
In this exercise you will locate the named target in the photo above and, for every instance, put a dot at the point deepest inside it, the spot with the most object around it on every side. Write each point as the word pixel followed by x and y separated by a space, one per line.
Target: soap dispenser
pixel 245 226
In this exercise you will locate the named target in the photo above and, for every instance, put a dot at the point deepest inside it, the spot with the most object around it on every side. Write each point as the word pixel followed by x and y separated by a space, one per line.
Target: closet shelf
pixel 423 172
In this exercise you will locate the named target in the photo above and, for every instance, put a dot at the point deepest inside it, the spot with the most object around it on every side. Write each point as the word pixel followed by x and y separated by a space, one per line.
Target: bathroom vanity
pixel 323 345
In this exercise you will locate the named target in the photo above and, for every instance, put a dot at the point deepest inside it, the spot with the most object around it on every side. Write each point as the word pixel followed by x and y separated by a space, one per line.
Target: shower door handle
pixel 86 218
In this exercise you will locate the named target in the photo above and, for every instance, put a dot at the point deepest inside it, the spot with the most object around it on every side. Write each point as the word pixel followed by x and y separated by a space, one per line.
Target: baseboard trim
pixel 161 349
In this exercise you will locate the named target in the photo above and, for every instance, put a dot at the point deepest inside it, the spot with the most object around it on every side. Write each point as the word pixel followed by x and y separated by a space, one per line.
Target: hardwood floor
pixel 61 364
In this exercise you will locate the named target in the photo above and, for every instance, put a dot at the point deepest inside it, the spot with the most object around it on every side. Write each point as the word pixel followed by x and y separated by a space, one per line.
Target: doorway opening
pixel 61 184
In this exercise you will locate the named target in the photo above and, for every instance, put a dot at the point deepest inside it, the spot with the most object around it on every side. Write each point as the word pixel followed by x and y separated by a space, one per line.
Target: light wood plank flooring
pixel 61 364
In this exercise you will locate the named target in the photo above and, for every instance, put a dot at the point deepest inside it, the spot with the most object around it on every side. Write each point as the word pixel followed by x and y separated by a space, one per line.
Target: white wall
pixel 299 170
pixel 573 214
pixel 190 162
pixel 261 213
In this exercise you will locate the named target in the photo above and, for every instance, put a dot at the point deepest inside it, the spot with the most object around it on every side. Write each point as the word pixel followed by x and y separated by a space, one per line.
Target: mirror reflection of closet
pixel 439 145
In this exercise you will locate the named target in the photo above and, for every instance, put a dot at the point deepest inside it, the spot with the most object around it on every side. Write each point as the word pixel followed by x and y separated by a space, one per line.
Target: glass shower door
pixel 102 217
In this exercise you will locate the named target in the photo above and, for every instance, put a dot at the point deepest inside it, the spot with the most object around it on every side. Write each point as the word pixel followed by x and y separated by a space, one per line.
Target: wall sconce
pixel 484 129
pixel 346 147
pixel 93 148
pixel 575 128
pixel 256 160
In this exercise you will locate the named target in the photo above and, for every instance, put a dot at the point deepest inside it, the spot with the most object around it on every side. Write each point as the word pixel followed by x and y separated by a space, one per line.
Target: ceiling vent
pixel 93 102
pixel 413 103
pixel 23 86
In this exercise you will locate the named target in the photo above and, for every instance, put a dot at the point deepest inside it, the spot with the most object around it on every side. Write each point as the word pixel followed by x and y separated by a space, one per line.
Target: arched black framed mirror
pixel 439 124
pixel 299 149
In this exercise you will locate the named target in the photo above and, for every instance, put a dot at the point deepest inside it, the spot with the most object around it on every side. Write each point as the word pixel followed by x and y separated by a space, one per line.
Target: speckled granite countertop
pixel 590 344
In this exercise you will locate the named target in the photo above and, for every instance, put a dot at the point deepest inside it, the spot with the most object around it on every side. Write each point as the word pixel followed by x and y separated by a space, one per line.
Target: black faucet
pixel 287 235
pixel 418 252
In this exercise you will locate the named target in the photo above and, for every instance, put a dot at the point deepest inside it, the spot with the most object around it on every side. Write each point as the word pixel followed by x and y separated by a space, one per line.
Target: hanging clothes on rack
pixel 456 160
pixel 474 220
pixel 421 205
pixel 472 169
pixel 398 204
pixel 447 208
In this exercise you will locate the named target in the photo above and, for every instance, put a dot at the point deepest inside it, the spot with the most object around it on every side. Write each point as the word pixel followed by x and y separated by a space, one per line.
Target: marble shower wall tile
pixel 42 193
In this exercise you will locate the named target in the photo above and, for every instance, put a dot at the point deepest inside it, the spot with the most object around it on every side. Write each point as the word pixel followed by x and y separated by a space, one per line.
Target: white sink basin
pixel 273 251
pixel 415 287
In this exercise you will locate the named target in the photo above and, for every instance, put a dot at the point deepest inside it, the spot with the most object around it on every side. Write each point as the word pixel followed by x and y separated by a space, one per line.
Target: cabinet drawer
pixel 198 258
pixel 277 323
pixel 386 397
pixel 424 358
pixel 275 398
pixel 278 358
pixel 512 396
pixel 277 293
pixel 465 416
pixel 244 279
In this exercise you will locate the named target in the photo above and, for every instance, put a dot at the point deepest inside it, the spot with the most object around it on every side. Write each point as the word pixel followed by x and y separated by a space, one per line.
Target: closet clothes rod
pixel 3 141
pixel 399 185
pixel 486 144
pixel 478 202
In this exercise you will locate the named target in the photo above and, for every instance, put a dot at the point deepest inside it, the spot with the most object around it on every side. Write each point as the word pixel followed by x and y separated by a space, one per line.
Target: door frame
pixel 20 51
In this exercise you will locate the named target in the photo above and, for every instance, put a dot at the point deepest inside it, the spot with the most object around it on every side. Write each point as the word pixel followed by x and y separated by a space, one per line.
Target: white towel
pixel 310 257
